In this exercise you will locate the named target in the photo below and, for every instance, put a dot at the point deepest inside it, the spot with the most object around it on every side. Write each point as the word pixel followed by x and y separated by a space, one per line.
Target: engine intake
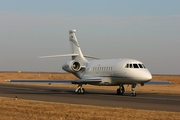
pixel 76 66
pixel 72 66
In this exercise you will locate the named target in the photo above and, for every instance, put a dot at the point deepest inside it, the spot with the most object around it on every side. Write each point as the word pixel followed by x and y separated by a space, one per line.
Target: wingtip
pixel 158 82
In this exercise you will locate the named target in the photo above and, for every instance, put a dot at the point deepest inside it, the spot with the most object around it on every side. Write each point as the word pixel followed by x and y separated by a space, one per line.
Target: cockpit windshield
pixel 134 65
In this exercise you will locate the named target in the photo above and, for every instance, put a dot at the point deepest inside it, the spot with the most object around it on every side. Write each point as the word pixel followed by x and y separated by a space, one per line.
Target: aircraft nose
pixel 147 75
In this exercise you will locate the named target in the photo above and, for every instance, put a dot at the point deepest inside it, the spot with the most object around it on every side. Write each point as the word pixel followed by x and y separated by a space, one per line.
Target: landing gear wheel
pixel 133 90
pixel 120 90
pixel 80 90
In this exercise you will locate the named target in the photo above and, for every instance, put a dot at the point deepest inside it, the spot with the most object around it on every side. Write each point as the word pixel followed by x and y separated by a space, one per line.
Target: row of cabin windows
pixel 102 68
pixel 134 65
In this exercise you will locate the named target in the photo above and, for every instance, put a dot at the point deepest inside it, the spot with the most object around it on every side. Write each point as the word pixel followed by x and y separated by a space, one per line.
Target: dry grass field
pixel 11 109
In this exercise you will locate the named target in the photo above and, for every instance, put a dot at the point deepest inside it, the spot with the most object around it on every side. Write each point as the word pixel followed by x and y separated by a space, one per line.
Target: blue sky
pixel 148 31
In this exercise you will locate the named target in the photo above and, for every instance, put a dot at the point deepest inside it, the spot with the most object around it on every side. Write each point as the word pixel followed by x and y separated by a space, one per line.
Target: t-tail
pixel 76 52
pixel 75 48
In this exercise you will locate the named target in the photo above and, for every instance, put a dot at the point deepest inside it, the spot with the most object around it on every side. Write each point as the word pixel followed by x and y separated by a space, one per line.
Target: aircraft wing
pixel 81 81
pixel 158 82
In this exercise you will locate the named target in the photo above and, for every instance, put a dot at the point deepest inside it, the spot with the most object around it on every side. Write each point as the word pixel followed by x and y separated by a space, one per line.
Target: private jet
pixel 100 72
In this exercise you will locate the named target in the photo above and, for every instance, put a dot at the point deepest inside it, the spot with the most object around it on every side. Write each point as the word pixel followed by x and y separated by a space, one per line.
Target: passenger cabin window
pixel 102 68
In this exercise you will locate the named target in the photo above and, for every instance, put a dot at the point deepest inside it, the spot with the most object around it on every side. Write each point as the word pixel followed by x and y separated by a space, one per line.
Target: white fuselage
pixel 115 71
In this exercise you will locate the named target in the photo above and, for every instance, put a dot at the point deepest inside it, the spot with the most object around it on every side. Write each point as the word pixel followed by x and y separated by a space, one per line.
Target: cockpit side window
pixel 135 66
pixel 140 65
pixel 144 66
pixel 127 66
pixel 131 66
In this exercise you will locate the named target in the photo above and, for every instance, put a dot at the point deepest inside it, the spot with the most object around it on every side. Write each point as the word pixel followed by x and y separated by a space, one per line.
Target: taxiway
pixel 146 101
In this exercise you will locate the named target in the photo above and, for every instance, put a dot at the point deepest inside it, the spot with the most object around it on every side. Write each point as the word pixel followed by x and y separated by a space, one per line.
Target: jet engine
pixel 72 66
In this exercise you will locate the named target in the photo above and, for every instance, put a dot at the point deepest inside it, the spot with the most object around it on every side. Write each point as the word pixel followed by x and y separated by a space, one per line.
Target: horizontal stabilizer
pixel 87 56
pixel 65 55
pixel 158 82
pixel 82 81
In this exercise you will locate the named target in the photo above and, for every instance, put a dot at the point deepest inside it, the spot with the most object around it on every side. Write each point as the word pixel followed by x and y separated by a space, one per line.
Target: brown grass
pixel 11 109
pixel 34 75
pixel 170 89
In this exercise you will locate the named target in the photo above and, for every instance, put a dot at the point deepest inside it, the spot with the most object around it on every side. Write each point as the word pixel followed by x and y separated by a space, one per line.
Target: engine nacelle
pixel 72 66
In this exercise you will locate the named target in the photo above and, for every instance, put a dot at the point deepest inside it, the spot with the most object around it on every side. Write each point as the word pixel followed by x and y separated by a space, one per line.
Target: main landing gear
pixel 79 89
pixel 133 90
pixel 121 90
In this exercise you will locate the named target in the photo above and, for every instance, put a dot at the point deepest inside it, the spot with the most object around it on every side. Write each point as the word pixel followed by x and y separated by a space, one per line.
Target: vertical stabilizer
pixel 75 48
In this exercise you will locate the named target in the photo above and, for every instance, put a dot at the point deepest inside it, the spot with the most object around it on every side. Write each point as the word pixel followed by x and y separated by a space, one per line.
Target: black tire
pixel 121 92
pixel 118 91
pixel 79 91
pixel 122 88
pixel 83 91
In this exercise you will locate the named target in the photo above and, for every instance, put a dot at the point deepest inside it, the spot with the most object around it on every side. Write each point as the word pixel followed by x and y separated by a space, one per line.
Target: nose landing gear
pixel 133 90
